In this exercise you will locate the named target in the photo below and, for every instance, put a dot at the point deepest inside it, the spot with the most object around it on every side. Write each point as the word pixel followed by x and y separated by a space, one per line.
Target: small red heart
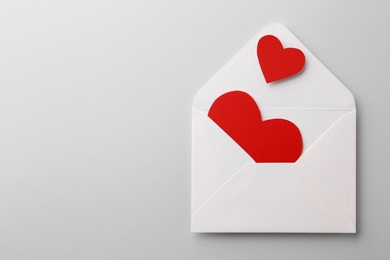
pixel 278 63
pixel 274 140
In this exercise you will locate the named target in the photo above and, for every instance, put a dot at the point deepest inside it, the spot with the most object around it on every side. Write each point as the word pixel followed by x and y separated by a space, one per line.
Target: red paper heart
pixel 274 140
pixel 278 63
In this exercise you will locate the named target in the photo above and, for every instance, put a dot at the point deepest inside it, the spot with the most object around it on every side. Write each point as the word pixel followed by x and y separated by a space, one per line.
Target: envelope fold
pixel 212 164
pixel 332 161
pixel 272 198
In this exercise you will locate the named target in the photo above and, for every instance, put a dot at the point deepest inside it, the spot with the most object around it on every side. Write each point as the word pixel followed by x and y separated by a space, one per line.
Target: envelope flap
pixel 212 169
pixel 332 161
pixel 314 88
pixel 272 198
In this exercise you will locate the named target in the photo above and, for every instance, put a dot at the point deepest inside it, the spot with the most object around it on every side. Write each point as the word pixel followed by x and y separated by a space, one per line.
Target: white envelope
pixel 317 193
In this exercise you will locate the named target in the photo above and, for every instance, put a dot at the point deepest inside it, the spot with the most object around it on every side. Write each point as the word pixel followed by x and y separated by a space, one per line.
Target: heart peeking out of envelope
pixel 274 155
pixel 274 140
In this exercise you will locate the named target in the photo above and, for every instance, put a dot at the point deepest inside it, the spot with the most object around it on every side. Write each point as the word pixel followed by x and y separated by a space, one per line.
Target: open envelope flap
pixel 316 87
pixel 290 197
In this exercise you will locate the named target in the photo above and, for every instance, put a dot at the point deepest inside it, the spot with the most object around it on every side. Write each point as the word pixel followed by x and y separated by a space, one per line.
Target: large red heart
pixel 274 140
pixel 278 63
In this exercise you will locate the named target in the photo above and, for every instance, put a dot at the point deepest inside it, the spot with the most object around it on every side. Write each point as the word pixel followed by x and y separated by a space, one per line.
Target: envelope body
pixel 317 193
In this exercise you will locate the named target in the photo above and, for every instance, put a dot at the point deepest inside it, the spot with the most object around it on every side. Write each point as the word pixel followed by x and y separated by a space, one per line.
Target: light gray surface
pixel 95 100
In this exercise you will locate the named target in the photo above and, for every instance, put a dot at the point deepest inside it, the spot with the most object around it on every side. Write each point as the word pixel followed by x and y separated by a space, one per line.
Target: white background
pixel 95 124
